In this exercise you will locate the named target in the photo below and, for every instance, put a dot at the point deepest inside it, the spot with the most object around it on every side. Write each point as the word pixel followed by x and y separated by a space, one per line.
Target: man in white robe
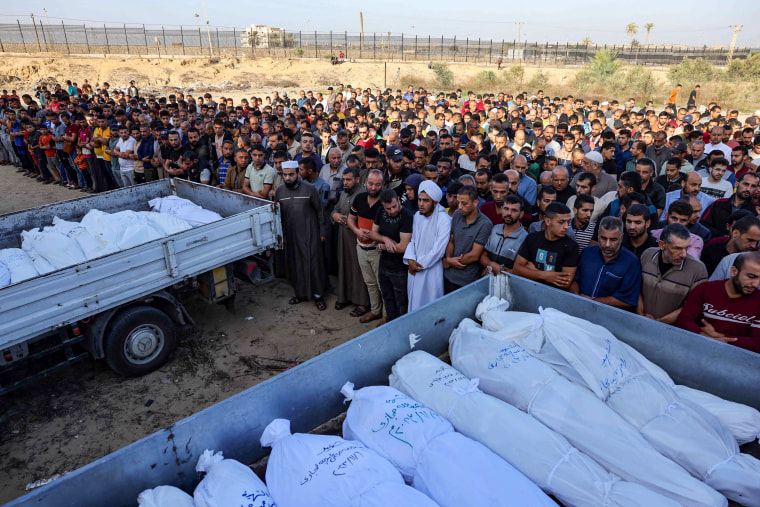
pixel 424 255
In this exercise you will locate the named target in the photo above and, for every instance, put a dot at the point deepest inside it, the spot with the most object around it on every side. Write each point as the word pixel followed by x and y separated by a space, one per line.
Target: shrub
pixel 514 75
pixel 748 69
pixel 639 79
pixel 692 71
pixel 298 52
pixel 486 79
pixel 582 81
pixel 538 81
pixel 444 78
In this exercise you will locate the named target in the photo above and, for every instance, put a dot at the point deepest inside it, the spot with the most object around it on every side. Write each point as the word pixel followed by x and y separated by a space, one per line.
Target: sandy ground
pixel 240 77
pixel 85 411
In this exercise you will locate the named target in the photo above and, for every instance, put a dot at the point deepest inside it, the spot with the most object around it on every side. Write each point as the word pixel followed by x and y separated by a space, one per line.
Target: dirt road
pixel 86 411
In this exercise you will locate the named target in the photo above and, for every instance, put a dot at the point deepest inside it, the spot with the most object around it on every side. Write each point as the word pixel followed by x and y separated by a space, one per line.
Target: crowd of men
pixel 407 196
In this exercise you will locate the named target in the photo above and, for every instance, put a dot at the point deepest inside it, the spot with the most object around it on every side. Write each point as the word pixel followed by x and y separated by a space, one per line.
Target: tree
pixel 631 29
pixel 604 65
pixel 648 27
pixel 586 41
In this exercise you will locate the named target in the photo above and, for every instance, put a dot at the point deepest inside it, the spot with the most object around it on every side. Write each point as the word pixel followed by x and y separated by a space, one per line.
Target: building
pixel 261 36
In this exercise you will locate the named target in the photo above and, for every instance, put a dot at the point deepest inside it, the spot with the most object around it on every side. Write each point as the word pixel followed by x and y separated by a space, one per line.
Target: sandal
pixel 359 311
pixel 370 317
pixel 296 300
pixel 321 306
pixel 340 306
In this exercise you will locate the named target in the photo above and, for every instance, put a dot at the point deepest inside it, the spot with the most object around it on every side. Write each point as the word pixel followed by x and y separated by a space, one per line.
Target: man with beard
pixel 303 228
pixel 351 289
pixel 637 239
pixel 549 256
pixel 430 236
pixel 499 190
pixel 392 231
pixel 680 212
pixel 668 275
pixel 691 185
pixel 745 235
pixel 561 183
pixel 145 153
pixel 726 310
pixel 469 234
pixel 506 238
pixel 715 216
pixel 307 151
pixel 174 153
pixel 197 144
pixel 362 216
pixel 396 173
pixel 585 229
pixel 607 272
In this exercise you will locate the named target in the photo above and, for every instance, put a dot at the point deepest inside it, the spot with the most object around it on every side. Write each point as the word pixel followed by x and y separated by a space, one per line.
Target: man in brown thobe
pixel 351 287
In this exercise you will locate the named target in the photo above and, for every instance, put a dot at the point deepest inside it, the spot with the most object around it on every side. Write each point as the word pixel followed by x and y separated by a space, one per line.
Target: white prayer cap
pixel 290 164
pixel 431 189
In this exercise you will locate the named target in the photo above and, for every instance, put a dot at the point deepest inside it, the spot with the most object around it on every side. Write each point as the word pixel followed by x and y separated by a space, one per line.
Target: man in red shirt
pixel 727 310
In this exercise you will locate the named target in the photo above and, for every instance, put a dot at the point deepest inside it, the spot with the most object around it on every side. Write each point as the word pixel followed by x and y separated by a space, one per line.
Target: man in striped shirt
pixel 585 229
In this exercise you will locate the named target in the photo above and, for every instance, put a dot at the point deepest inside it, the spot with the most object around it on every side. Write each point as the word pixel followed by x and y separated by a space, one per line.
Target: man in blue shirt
pixel 528 188
pixel 608 273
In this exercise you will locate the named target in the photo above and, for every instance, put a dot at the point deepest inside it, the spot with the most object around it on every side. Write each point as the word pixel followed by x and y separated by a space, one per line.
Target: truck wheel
pixel 140 340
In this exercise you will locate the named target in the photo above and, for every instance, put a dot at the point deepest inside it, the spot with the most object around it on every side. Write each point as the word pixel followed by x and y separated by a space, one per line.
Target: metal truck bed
pixel 309 394
pixel 42 304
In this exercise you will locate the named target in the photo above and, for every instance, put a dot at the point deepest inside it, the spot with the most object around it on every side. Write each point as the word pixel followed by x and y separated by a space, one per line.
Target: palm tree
pixel 648 27
pixel 586 41
pixel 631 29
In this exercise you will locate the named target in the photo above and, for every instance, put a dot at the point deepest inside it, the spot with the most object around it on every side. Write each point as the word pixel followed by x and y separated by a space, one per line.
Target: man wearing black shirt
pixel 360 220
pixel 549 256
pixel 717 215
pixel 392 230
pixel 637 222
pixel 692 97
pixel 673 176
pixel 745 235
pixel 396 173
pixel 175 151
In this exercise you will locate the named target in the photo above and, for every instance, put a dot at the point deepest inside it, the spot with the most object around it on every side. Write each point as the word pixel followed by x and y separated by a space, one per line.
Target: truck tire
pixel 140 340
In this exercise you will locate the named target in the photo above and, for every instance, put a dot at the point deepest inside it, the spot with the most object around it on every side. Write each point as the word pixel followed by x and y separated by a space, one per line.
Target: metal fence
pixel 197 41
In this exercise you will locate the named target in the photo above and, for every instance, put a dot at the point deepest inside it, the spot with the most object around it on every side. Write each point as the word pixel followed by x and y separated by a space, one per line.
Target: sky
pixel 693 23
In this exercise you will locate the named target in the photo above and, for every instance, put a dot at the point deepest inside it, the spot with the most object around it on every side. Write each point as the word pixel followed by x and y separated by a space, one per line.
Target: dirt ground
pixel 234 75
pixel 85 411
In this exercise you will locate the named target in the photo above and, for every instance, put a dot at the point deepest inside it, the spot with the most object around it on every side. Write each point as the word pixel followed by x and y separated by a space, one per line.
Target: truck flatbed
pixel 43 304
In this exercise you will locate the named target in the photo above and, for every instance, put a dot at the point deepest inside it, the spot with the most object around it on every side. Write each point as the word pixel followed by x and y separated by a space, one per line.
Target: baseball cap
pixel 680 147
pixel 595 156
pixel 164 134
pixel 395 153
pixel 688 118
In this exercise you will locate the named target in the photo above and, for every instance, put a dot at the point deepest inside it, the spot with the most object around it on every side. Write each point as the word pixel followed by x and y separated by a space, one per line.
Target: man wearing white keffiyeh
pixel 430 235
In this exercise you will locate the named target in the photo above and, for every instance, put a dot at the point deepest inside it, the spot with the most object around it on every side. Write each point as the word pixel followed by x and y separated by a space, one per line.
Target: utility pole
pixel 361 25
pixel 47 20
pixel 208 30
pixel 737 29
pixel 519 27
pixel 34 24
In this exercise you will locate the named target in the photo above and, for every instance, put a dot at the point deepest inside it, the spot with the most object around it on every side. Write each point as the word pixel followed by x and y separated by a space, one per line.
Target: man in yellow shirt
pixel 100 139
